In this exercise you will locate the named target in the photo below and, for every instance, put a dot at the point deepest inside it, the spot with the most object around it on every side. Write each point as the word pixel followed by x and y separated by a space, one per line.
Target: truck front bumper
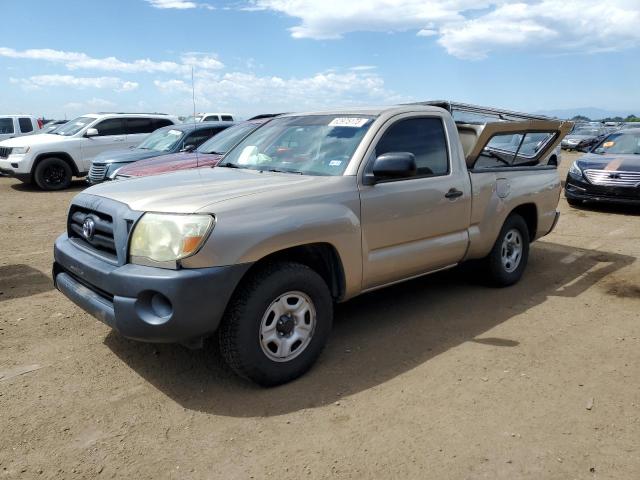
pixel 146 303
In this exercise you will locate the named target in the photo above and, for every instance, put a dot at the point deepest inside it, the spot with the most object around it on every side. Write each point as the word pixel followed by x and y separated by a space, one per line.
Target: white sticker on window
pixel 348 122
pixel 335 163
pixel 177 133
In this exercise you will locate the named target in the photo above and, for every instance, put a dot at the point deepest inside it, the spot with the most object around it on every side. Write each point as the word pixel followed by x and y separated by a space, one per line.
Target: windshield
pixel 311 145
pixel 193 119
pixel 225 140
pixel 6 125
pixel 620 143
pixel 589 132
pixel 74 126
pixel 162 140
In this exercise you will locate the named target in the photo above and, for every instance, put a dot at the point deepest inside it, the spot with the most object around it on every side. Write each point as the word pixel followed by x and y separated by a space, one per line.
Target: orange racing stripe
pixel 614 164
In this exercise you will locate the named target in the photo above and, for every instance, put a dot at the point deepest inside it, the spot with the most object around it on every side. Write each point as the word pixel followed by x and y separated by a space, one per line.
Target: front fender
pixel 251 235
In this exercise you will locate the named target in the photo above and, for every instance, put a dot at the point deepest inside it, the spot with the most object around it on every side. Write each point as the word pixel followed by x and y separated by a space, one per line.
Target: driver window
pixel 424 137
pixel 111 126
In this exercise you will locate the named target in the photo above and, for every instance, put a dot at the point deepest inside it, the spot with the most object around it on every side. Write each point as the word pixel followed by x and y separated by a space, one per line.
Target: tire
pixel 251 320
pixel 573 202
pixel 53 174
pixel 505 269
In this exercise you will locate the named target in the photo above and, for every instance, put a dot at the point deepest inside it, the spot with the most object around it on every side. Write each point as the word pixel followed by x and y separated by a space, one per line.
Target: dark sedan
pixel 164 141
pixel 583 137
pixel 609 173
pixel 207 155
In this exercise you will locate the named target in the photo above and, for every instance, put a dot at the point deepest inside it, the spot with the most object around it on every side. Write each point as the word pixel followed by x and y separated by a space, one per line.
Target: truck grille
pixel 5 152
pixel 102 239
pixel 612 178
pixel 97 172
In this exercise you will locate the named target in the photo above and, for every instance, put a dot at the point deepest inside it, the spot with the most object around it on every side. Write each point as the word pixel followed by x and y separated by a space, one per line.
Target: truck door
pixel 418 224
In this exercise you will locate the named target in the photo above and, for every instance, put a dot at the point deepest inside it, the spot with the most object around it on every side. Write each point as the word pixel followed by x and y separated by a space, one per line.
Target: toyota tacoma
pixel 309 210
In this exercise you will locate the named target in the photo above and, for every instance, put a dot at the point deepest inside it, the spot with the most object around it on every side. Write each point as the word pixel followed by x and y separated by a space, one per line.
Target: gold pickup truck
pixel 308 210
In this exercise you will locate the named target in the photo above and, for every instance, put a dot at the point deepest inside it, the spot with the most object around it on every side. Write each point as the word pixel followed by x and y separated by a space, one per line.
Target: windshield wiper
pixel 212 153
pixel 228 165
pixel 276 170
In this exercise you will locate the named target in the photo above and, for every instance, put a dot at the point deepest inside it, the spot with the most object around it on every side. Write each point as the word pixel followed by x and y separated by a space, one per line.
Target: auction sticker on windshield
pixel 348 122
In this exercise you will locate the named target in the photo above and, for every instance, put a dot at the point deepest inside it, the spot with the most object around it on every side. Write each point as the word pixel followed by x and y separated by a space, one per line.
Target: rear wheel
pixel 277 323
pixel 508 258
pixel 53 174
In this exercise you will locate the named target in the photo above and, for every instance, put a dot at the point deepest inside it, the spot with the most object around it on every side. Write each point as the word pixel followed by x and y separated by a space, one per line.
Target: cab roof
pixel 371 111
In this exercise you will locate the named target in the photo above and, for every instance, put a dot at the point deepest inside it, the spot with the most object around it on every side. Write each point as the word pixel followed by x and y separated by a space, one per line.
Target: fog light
pixel 154 308
pixel 161 305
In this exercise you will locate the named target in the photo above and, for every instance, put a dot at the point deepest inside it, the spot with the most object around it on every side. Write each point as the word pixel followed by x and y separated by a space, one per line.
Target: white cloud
pixel 178 4
pixel 39 81
pixel 93 104
pixel 473 29
pixel 77 61
pixel 330 19
pixel 550 26
pixel 255 93
pixel 200 60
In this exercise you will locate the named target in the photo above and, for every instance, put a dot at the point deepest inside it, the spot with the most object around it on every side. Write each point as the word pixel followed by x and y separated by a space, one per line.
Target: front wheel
pixel 53 174
pixel 573 202
pixel 277 323
pixel 508 257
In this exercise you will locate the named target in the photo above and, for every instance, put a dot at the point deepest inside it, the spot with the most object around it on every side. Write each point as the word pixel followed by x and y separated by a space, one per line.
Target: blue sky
pixel 255 56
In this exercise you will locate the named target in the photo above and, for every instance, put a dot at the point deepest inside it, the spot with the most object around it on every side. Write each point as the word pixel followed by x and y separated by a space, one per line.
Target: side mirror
pixel 91 132
pixel 188 148
pixel 394 165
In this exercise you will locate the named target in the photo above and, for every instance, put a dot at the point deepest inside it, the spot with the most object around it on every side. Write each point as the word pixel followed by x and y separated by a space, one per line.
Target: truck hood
pixel 33 140
pixel 169 163
pixel 610 161
pixel 126 155
pixel 195 190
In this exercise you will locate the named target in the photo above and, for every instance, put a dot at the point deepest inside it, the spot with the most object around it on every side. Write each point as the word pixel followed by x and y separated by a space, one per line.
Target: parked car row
pixel 52 159
pixel 98 146
pixel 164 141
pixel 587 134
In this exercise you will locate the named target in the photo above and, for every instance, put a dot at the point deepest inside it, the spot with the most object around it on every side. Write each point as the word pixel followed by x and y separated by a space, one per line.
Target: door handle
pixel 453 193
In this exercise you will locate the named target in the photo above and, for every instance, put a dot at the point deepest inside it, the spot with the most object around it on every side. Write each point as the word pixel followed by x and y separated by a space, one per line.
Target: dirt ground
pixel 439 378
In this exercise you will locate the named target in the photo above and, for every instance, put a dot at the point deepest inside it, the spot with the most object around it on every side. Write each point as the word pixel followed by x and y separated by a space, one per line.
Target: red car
pixel 206 155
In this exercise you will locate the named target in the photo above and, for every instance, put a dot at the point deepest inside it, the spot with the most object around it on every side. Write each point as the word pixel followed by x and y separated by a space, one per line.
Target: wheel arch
pixel 321 257
pixel 529 212
pixel 61 155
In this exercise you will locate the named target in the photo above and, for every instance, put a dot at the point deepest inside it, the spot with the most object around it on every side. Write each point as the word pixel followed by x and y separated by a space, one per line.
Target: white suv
pixel 52 159
pixel 209 117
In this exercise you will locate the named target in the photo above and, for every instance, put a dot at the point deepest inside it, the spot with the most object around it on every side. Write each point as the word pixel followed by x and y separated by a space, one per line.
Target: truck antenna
pixel 193 99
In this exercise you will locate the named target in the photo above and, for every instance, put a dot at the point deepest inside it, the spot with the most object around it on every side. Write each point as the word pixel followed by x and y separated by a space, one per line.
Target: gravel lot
pixel 436 378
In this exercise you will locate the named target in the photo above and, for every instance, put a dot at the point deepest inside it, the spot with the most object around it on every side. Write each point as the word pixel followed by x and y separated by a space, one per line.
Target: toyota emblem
pixel 88 228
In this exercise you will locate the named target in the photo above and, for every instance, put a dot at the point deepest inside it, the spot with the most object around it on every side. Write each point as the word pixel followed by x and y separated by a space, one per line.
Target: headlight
pixel 161 237
pixel 20 150
pixel 575 171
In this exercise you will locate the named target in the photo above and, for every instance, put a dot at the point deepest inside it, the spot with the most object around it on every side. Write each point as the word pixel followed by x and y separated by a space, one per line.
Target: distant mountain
pixel 592 112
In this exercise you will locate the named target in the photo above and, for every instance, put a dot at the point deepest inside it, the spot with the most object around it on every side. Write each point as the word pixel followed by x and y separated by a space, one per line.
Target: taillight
pixel 40 123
